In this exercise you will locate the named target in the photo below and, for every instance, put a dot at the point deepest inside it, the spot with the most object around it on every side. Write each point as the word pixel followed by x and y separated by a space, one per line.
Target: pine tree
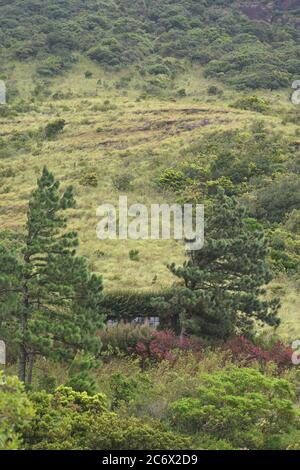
pixel 222 285
pixel 56 308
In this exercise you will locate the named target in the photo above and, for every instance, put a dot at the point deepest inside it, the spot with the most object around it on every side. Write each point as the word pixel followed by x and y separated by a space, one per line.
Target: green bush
pixel 214 90
pixel 105 55
pixel 89 179
pixel 111 431
pixel 134 255
pixel 80 378
pixel 239 405
pixel 284 250
pixel 53 128
pixel 16 411
pixel 172 179
pixel 122 182
pixel 158 69
pixel 128 389
pixel 75 421
pixel 52 65
pixel 278 198
pixel 123 336
pixel 293 221
pixel 251 103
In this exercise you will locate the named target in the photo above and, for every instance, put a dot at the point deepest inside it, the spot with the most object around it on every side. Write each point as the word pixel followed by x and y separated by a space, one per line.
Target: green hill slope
pixel 217 34
pixel 143 90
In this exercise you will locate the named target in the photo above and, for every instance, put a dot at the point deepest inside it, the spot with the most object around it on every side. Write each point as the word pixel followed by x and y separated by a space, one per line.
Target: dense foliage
pixel 195 402
pixel 234 48
pixel 260 167
pixel 16 411
pixel 73 420
pixel 240 405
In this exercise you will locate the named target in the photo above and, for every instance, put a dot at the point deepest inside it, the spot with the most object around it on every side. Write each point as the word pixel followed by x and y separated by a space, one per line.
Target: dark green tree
pixel 223 284
pixel 50 302
pixel 80 377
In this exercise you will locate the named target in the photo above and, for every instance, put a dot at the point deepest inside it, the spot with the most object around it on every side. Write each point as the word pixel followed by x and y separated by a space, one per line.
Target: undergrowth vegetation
pixel 228 397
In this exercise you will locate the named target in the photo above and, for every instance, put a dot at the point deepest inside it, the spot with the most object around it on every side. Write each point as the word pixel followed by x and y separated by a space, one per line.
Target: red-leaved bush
pixel 163 346
pixel 243 349
pixel 281 355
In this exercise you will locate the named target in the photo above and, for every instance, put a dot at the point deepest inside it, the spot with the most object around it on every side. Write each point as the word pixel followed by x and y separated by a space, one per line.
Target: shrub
pixel 57 414
pixel 251 103
pixel 279 198
pixel 122 182
pixel 123 82
pixel 76 421
pixel 7 111
pixel 16 411
pixel 104 55
pixel 214 90
pixel 89 179
pixel 284 251
pixel 162 345
pixel 181 92
pixel 53 128
pixel 244 350
pixel 111 431
pixel 281 355
pixel 80 379
pixel 293 222
pixel 159 69
pixel 51 66
pixel 134 255
pixel 172 179
pixel 239 405
pixel 123 336
pixel 128 389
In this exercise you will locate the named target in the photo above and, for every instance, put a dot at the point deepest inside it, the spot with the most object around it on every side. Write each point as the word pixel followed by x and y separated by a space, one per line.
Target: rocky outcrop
pixel 287 4
pixel 259 11
pixel 270 11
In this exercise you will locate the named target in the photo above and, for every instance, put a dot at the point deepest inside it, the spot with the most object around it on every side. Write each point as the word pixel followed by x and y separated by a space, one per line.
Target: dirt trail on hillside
pixel 155 127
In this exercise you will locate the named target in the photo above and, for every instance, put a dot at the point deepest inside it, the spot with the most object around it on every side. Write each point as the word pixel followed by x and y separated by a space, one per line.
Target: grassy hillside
pixel 110 133
pixel 146 89
pixel 125 139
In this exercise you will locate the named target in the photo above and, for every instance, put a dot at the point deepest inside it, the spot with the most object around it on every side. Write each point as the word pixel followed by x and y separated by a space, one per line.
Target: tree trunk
pixel 23 327
pixel 182 327
pixel 30 368
pixel 182 334
pixel 22 364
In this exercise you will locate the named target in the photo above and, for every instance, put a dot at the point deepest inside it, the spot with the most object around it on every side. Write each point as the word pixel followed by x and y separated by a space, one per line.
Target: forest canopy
pixel 216 34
